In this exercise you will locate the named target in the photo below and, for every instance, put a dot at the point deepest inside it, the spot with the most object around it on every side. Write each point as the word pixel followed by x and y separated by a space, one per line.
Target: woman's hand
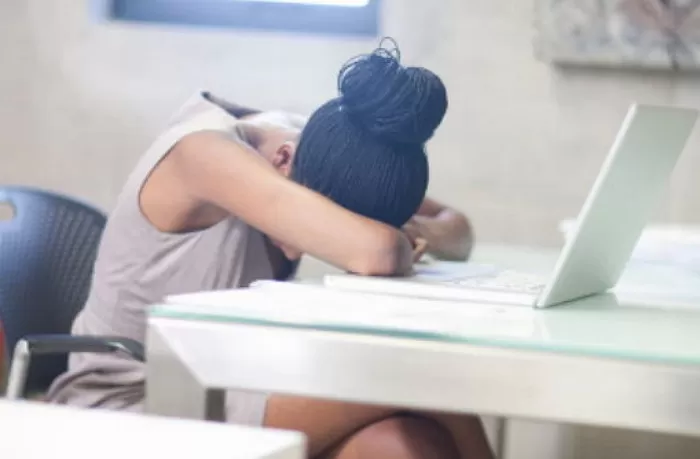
pixel 420 246
pixel 418 242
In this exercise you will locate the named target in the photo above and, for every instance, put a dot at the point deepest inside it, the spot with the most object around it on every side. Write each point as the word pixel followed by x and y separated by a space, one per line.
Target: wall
pixel 80 100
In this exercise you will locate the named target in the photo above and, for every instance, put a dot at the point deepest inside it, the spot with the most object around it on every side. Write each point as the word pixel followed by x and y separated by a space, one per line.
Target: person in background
pixel 229 195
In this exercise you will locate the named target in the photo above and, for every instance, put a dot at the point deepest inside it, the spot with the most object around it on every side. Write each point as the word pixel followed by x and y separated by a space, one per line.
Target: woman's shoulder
pixel 198 108
pixel 236 110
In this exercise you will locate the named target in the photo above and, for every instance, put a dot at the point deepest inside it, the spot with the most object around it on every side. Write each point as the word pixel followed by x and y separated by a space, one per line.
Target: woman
pixel 228 195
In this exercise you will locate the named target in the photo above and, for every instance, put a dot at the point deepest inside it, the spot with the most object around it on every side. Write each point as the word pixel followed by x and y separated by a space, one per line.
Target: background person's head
pixel 365 150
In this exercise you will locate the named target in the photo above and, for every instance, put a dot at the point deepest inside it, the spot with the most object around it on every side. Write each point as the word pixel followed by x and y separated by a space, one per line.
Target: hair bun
pixel 395 103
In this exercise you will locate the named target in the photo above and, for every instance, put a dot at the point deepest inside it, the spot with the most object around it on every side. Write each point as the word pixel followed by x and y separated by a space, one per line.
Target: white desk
pixel 630 364
pixel 40 431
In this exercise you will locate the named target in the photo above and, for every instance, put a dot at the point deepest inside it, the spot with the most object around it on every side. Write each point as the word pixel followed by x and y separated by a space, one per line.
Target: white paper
pixel 311 305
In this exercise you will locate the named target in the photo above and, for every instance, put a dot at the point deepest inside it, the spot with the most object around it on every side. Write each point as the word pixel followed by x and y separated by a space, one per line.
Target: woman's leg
pixel 468 433
pixel 330 424
pixel 399 437
pixel 326 424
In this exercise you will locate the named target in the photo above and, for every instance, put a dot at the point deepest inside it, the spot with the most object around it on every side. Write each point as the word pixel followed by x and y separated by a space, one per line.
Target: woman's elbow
pixel 388 254
pixel 467 239
pixel 459 242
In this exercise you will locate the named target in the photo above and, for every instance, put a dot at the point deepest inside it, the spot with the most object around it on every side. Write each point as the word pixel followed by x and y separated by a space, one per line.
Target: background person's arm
pixel 448 232
pixel 216 171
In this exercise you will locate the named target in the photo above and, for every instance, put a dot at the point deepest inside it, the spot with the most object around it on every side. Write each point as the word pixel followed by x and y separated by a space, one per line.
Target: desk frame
pixel 186 379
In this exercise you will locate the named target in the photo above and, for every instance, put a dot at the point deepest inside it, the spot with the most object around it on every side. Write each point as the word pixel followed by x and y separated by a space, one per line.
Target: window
pixel 355 17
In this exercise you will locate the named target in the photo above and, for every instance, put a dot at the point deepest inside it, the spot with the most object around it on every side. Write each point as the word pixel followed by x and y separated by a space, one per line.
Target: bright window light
pixel 351 3
pixel 344 17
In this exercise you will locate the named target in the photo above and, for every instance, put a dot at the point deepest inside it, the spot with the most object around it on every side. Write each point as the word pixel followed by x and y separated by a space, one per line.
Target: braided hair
pixel 365 149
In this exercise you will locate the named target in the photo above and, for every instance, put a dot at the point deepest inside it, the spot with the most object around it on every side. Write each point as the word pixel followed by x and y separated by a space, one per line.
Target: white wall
pixel 80 100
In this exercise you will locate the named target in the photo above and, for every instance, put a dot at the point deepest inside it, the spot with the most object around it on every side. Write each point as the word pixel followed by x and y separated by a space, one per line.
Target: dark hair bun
pixel 395 103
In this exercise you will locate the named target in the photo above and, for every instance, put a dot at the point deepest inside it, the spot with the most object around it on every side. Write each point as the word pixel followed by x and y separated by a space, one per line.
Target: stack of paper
pixel 677 245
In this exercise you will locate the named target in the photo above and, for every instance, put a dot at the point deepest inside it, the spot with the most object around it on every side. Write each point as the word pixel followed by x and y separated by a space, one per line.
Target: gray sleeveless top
pixel 137 266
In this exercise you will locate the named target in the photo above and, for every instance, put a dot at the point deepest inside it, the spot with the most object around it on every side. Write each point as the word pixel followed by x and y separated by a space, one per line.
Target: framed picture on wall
pixel 661 34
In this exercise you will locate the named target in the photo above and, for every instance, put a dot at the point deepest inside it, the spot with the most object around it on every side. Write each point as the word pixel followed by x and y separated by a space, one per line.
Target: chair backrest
pixel 47 251
pixel 3 359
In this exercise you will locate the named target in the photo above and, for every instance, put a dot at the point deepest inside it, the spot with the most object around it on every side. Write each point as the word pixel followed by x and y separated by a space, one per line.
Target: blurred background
pixel 82 96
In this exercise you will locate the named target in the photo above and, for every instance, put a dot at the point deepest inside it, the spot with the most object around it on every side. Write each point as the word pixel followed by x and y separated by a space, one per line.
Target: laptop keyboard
pixel 507 281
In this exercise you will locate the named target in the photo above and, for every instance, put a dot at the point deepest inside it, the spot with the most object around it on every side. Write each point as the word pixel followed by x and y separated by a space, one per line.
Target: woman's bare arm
pixel 216 171
pixel 448 232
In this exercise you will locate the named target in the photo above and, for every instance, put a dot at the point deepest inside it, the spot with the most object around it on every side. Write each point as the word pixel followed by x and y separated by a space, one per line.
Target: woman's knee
pixel 401 436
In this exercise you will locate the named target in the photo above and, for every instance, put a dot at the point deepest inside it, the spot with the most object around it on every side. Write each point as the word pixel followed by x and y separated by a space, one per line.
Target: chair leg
pixel 19 368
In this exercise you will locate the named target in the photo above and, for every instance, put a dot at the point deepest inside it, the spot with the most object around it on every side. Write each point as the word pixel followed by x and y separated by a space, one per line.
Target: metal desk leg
pixel 172 390
pixel 501 438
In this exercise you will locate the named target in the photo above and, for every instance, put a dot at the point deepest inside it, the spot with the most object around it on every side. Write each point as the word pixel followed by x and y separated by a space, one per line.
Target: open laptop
pixel 622 200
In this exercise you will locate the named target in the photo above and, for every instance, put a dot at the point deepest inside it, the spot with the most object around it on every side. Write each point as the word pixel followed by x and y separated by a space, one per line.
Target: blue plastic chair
pixel 47 251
